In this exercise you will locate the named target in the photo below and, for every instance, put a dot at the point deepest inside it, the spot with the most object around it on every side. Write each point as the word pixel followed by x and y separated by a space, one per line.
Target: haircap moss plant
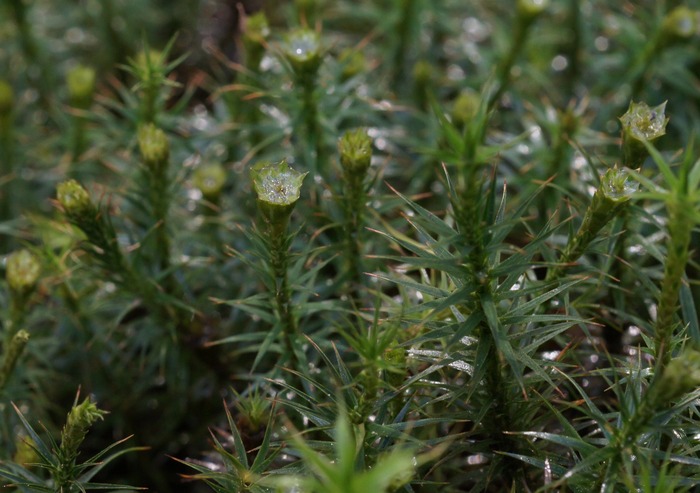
pixel 101 237
pixel 682 199
pixel 278 188
pixel 155 152
pixel 80 419
pixel 59 461
pixel 676 27
pixel 81 90
pixel 617 187
pixel 151 67
pixel 355 150
pixel 23 270
pixel 399 291
pixel 303 51
pixel 255 35
pixel 527 11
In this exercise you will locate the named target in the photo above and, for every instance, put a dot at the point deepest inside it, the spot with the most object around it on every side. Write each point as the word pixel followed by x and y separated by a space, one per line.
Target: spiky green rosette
pixel 278 188
pixel 641 124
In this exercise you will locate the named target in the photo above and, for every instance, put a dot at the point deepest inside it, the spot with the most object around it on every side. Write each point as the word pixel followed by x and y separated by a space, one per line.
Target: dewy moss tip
pixel 681 23
pixel 617 185
pixel 277 184
pixel 302 48
pixel 643 122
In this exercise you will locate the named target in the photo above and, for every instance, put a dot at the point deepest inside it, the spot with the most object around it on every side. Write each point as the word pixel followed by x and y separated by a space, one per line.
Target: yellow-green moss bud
pixel 255 34
pixel 25 451
pixel 257 29
pixel 149 63
pixel 680 24
pixel 353 62
pixel 80 419
pixel 529 9
pixel 302 49
pixel 154 147
pixel 423 72
pixel 73 197
pixel 278 188
pixel 682 375
pixel 81 86
pixel 210 180
pixel 640 124
pixel 7 98
pixel 355 148
pixel 23 269
pixel 465 107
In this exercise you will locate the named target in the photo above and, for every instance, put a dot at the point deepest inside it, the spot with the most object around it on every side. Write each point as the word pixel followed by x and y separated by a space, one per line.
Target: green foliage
pixel 413 246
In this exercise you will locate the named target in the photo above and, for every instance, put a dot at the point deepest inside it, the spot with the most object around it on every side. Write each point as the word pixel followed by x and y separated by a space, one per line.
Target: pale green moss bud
pixel 25 451
pixel 302 49
pixel 154 147
pixel 278 188
pixel 617 185
pixel 529 9
pixel 22 271
pixel 682 375
pixel 355 147
pixel 680 24
pixel 80 419
pixel 74 199
pixel 210 180
pixel 353 62
pixel 423 72
pixel 81 86
pixel 12 354
pixel 640 124
pixel 465 107
pixel 7 98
